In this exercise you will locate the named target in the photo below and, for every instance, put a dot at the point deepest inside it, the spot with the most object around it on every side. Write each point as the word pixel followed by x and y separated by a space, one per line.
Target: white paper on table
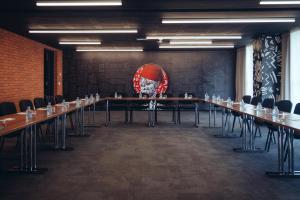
pixel 7 119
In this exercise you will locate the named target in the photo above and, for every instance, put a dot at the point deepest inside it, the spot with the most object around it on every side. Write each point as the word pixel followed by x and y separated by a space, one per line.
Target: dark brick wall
pixel 191 71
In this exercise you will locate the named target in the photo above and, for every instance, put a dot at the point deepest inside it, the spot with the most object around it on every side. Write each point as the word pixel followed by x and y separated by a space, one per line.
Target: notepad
pixel 7 119
pixel 42 109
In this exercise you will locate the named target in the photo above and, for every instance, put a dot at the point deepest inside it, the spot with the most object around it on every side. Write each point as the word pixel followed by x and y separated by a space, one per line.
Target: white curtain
pixel 249 70
pixel 295 66
pixel 244 72
pixel 240 73
pixel 285 67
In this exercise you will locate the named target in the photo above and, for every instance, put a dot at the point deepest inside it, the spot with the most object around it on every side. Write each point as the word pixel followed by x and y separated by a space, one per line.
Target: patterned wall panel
pixel 267 66
pixel 188 71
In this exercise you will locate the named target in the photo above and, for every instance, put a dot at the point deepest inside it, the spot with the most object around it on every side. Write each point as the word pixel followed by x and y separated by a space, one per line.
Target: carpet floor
pixel 135 162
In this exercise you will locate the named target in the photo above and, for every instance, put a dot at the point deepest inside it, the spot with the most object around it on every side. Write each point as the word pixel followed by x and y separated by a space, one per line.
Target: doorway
pixel 48 72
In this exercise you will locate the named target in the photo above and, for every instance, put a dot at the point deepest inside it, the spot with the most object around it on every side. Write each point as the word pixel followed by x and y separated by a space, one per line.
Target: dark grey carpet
pixel 135 162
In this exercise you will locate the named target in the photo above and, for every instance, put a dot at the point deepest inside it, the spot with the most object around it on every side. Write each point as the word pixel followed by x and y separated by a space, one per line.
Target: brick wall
pixel 22 68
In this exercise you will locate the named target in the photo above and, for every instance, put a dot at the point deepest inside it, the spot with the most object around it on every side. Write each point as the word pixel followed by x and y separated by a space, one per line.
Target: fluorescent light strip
pixel 80 42
pixel 109 49
pixel 77 3
pixel 190 42
pixel 228 21
pixel 85 31
pixel 196 47
pixel 279 2
pixel 199 37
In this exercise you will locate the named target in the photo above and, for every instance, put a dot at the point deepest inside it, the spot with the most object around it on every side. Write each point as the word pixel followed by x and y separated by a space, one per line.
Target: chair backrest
pixel 24 103
pixel 247 99
pixel 7 108
pixel 285 106
pixel 50 99
pixel 297 109
pixel 268 103
pixel 39 103
pixel 255 101
pixel 59 98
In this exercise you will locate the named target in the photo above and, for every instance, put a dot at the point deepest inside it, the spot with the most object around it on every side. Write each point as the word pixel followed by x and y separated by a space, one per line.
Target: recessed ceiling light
pixel 120 49
pixel 228 20
pixel 79 3
pixel 93 31
pixel 80 42
pixel 196 46
pixel 190 42
pixel 279 2
pixel 194 37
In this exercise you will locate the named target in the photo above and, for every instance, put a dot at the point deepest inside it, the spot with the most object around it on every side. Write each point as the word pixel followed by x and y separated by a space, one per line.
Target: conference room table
pixel 151 111
pixel 286 124
pixel 18 122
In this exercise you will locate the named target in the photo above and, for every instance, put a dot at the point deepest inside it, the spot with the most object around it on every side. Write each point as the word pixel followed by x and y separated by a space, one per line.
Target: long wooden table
pixel 287 124
pixel 151 113
pixel 18 122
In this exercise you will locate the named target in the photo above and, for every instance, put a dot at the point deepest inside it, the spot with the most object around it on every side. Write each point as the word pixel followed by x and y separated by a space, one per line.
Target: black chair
pixel 39 103
pixel 166 105
pixel 59 99
pixel 139 105
pixel 267 103
pixel 255 101
pixel 50 99
pixel 118 105
pixel 283 106
pixel 24 104
pixel 185 105
pixel 246 99
pixel 7 108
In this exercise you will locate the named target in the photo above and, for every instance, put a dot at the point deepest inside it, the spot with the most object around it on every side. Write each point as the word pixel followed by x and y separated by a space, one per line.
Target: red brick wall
pixel 22 68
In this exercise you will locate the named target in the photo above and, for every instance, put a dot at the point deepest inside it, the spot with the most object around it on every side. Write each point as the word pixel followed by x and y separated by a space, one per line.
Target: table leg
pixel 63 131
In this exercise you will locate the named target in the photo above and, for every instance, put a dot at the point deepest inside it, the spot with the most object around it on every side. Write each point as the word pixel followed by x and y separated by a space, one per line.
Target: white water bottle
pixel 49 109
pixel 77 102
pixel 186 95
pixel 116 95
pixel 97 97
pixel 28 114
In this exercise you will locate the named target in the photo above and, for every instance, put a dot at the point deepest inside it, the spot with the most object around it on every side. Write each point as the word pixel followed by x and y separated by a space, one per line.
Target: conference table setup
pixel 167 99
pixel 19 122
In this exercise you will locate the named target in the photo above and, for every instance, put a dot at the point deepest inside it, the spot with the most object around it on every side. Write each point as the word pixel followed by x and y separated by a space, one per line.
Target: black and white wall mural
pixel 267 66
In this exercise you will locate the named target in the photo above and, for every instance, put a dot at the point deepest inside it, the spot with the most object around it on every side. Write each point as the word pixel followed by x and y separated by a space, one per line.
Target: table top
pixel 153 99
pixel 16 122
pixel 286 120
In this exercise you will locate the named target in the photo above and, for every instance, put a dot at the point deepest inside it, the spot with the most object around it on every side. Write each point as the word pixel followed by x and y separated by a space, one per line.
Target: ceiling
pixel 145 15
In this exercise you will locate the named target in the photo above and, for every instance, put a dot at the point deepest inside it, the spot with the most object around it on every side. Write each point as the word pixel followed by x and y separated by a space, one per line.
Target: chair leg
pixel 267 141
pixel 233 123
pixel 178 117
pixel 173 115
pixel 131 116
pixel 155 116
pixel 71 122
pixel 226 119
pixel 126 116
pixel 1 143
pixel 240 122
pixel 109 115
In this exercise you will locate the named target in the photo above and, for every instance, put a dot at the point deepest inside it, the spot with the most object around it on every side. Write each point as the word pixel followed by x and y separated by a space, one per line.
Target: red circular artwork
pixel 150 79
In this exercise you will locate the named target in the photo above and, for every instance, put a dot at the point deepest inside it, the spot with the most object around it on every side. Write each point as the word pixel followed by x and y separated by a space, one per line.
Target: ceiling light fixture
pixel 194 37
pixel 70 31
pixel 195 46
pixel 190 42
pixel 119 49
pixel 265 2
pixel 78 3
pixel 80 42
pixel 228 20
